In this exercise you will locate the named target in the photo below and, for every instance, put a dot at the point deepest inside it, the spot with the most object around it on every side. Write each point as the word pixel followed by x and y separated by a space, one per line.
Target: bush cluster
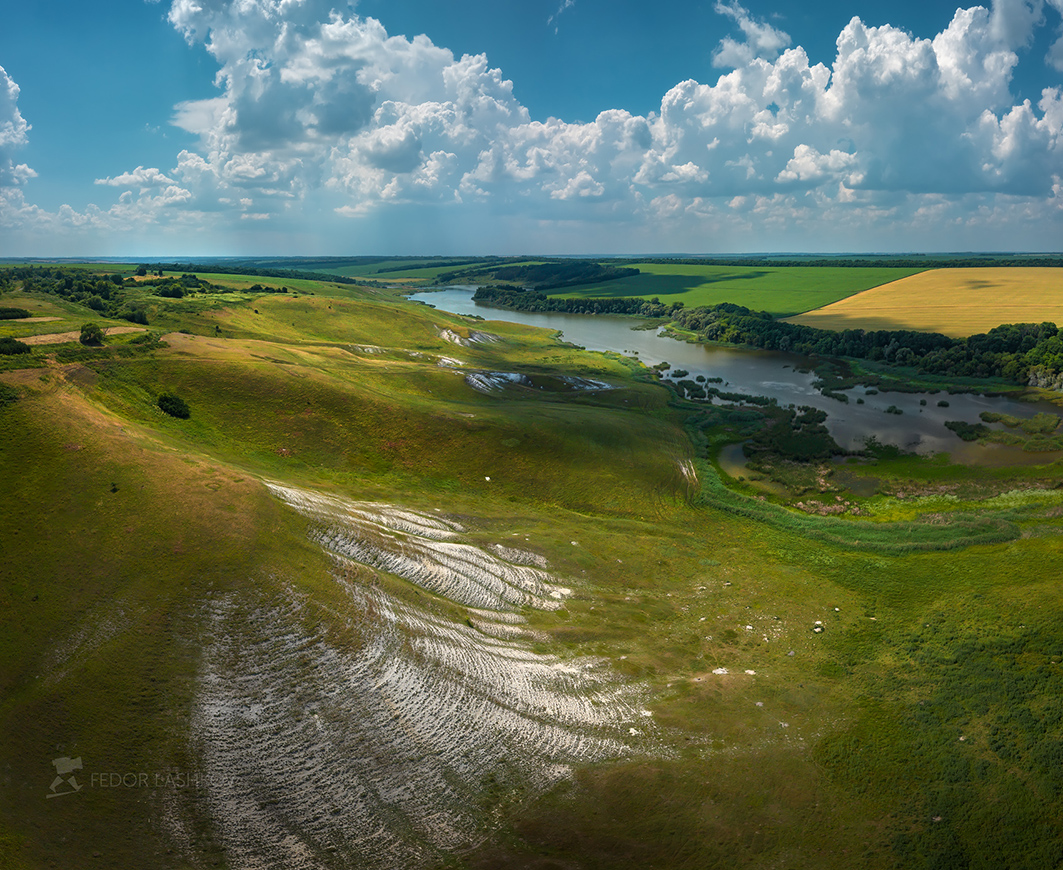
pixel 10 346
pixel 174 405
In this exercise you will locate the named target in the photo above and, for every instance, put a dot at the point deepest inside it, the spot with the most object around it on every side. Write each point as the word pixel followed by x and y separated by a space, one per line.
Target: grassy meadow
pixel 954 302
pixel 876 690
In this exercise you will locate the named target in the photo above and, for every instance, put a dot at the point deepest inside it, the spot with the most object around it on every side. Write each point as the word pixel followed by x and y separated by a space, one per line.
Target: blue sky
pixel 571 126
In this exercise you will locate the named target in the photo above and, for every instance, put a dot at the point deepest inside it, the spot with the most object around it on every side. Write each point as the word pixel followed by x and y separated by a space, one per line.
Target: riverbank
pixel 912 421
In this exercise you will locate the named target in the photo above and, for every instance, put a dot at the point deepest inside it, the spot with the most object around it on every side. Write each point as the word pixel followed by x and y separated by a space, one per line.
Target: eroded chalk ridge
pixel 492 382
pixel 578 383
pixel 423 550
pixel 395 747
pixel 475 337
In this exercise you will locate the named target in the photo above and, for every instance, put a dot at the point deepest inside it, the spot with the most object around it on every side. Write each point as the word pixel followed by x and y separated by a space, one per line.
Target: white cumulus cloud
pixel 761 39
pixel 13 129
pixel 139 177
pixel 323 113
pixel 313 100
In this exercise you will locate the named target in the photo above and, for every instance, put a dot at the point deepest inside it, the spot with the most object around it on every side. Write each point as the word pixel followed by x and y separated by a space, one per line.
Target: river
pixel 785 377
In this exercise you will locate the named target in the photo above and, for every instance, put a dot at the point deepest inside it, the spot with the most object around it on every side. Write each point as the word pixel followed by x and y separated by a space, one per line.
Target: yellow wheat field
pixel 956 302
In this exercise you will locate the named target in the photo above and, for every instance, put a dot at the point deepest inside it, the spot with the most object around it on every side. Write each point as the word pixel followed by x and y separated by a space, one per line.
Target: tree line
pixel 1015 352
pixel 900 262
pixel 518 299
pixel 545 276
pixel 102 293
pixel 264 271
pixel 112 295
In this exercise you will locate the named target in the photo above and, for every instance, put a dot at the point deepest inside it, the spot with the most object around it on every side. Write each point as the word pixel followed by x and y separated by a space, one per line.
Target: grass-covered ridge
pixel 263 590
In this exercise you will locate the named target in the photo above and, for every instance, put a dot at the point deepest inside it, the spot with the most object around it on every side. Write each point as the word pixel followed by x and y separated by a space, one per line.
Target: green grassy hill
pixel 404 591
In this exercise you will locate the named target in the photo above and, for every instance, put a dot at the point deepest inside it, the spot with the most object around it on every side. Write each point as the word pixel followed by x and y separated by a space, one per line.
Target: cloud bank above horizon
pixel 326 124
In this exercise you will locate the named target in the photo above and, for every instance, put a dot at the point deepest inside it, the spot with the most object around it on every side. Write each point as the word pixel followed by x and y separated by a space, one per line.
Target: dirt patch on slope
pixel 64 337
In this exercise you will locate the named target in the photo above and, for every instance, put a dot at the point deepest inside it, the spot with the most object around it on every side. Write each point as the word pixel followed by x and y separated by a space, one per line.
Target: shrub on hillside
pixel 149 338
pixel 134 314
pixel 173 405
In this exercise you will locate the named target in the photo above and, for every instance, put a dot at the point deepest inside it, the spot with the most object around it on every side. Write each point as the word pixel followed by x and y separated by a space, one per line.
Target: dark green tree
pixel 91 334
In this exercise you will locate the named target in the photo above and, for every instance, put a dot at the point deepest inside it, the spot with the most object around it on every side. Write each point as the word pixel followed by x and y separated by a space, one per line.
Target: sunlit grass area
pixel 777 688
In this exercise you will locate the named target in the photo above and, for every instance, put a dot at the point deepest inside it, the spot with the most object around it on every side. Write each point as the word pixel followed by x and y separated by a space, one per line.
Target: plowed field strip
pixel 64 337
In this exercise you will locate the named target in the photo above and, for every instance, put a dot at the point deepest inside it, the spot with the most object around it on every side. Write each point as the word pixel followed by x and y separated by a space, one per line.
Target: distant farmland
pixel 955 302
pixel 780 290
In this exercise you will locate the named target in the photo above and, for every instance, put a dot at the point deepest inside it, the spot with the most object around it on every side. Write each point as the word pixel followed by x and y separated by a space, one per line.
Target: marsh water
pixel 785 377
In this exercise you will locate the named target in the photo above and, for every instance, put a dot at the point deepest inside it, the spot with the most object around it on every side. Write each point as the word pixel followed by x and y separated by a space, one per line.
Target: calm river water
pixel 785 377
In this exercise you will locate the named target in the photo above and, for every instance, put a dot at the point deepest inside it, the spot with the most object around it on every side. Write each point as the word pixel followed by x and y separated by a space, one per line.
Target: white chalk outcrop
pixel 368 734
pixel 475 338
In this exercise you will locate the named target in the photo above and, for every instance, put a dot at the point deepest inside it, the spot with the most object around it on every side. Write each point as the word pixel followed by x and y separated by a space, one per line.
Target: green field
pixel 782 291
pixel 166 612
